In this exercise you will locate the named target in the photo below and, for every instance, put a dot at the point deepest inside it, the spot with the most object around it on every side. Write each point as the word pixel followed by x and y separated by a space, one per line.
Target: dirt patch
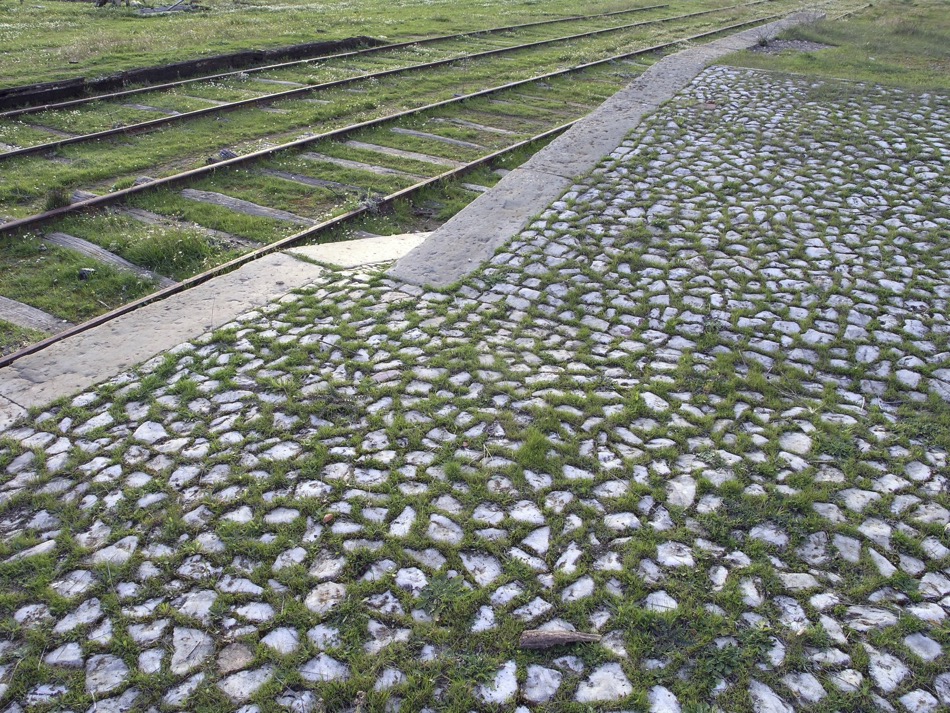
pixel 778 46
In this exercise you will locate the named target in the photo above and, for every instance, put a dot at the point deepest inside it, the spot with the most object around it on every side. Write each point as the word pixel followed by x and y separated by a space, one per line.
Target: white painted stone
pixel 240 686
pixel 674 554
pixel 118 553
pixel 483 567
pixel 886 671
pixel 150 432
pixel 104 674
pixel 442 529
pixel 283 640
pixel 324 597
pixel 191 648
pixel 795 442
pixel 765 700
pixel 660 602
pixel 805 687
pixel 324 668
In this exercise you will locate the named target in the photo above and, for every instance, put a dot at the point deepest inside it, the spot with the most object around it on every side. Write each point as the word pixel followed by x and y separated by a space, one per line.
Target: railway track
pixel 232 159
pixel 356 171
pixel 72 172
pixel 218 76
pixel 179 117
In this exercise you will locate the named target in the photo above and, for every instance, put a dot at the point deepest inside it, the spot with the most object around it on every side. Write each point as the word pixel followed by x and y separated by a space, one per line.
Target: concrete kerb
pixel 86 359
pixel 100 353
pixel 473 235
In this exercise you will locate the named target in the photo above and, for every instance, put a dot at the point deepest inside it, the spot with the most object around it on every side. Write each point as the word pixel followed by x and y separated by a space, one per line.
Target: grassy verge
pixel 904 43
pixel 13 337
pixel 169 252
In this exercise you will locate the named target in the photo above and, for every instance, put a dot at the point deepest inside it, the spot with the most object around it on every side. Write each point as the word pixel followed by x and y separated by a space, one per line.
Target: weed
pixel 56 198
pixel 442 596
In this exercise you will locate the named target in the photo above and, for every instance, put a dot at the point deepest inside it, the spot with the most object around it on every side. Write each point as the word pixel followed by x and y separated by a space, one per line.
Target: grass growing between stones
pixel 694 407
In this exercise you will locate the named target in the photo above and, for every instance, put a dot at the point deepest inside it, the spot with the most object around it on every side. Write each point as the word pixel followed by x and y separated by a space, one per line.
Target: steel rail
pixel 118 196
pixel 145 126
pixel 276 246
pixel 322 58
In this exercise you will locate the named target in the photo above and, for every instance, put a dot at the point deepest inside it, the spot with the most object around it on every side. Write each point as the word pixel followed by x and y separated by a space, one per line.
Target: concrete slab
pixel 366 251
pixel 473 235
pixel 86 359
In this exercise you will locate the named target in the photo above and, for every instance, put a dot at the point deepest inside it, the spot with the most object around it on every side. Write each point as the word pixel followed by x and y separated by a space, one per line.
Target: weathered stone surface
pixel 502 687
pixel 191 648
pixel 104 674
pixel 240 686
pixel 606 683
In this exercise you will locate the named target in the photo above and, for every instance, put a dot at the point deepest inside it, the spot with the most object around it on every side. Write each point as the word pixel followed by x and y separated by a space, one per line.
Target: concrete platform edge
pixel 86 359
pixel 473 235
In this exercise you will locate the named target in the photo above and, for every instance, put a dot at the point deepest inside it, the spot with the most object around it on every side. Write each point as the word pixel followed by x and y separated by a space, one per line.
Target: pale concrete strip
pixel 213 102
pixel 358 165
pixel 474 234
pixel 245 207
pixel 9 413
pixel 52 130
pixel 23 315
pixel 543 99
pixel 279 82
pixel 368 251
pixel 400 153
pixel 83 360
pixel 436 137
pixel 99 254
pixel 81 195
pixel 465 244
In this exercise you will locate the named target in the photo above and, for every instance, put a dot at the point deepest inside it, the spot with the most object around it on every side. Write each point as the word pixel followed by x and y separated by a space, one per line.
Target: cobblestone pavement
pixel 694 408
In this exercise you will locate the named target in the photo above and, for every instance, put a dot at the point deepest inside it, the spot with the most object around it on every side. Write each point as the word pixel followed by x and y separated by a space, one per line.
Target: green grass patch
pixel 168 251
pixel 14 337
pixel 905 43
pixel 47 277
